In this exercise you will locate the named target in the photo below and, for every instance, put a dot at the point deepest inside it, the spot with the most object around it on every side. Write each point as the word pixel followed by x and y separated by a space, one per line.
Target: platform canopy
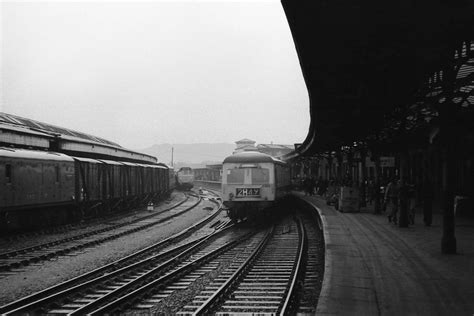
pixel 361 60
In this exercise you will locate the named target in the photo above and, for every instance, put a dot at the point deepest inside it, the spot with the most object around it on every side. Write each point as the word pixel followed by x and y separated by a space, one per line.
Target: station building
pixel 20 132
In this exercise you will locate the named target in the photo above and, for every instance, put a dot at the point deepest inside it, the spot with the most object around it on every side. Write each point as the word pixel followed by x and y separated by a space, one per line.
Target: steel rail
pixel 214 192
pixel 298 270
pixel 314 264
pixel 212 301
pixel 14 253
pixel 95 309
pixel 38 298
pixel 63 251
pixel 88 284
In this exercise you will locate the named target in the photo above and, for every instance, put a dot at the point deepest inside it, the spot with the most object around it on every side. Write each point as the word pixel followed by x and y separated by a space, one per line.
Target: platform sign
pixel 349 199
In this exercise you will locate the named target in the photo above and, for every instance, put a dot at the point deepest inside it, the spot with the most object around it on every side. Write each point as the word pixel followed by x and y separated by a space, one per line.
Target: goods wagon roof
pixel 251 156
pixel 130 164
pixel 165 166
pixel 143 165
pixel 111 162
pixel 87 160
pixel 33 154
pixel 150 166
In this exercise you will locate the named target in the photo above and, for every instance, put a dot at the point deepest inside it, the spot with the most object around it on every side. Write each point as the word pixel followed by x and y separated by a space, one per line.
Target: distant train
pixel 47 188
pixel 251 182
pixel 185 178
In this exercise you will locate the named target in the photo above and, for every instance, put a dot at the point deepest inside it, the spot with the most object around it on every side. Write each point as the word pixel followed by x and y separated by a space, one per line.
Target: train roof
pixel 166 166
pixel 185 168
pixel 251 156
pixel 54 156
pixel 87 160
pixel 111 162
pixel 157 166
pixel 129 163
pixel 33 154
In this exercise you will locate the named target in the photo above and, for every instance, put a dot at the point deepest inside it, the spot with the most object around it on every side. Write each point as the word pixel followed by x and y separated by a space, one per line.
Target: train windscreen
pixel 186 171
pixel 235 175
pixel 260 176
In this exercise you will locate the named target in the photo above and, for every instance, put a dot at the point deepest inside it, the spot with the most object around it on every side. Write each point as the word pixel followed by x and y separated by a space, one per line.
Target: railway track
pixel 95 285
pixel 143 299
pixel 256 273
pixel 314 270
pixel 266 282
pixel 240 270
pixel 215 193
pixel 49 230
pixel 12 260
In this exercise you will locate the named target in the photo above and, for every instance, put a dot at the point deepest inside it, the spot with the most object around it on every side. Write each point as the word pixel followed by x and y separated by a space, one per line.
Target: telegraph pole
pixel 172 152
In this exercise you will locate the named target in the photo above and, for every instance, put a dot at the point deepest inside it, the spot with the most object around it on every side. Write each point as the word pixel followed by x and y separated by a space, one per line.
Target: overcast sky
pixel 155 72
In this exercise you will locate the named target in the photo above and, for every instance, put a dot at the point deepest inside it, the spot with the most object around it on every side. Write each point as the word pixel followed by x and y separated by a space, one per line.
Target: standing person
pixel 319 183
pixel 391 199
pixel 411 203
pixel 306 186
pixel 312 186
pixel 427 192
pixel 371 192
pixel 324 187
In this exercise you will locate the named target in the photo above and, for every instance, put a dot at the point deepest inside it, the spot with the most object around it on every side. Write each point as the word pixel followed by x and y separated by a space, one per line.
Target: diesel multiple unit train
pixel 47 188
pixel 185 178
pixel 251 182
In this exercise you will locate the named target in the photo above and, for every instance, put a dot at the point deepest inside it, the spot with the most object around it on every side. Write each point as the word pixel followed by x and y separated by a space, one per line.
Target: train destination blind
pixel 247 192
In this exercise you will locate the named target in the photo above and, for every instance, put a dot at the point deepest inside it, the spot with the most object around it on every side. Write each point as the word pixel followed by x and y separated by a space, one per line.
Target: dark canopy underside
pixel 361 59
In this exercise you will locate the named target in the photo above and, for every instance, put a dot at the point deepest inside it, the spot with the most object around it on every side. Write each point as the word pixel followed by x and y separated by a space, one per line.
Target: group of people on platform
pixel 395 193
pixel 390 193
pixel 311 186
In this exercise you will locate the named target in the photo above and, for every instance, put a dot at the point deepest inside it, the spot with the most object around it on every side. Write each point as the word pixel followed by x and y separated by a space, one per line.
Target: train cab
pixel 252 181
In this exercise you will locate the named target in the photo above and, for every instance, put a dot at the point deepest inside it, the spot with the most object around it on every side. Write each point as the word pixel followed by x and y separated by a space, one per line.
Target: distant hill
pixel 194 155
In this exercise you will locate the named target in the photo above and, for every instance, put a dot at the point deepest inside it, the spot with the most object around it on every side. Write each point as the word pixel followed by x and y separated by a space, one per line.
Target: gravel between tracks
pixel 173 303
pixel 45 274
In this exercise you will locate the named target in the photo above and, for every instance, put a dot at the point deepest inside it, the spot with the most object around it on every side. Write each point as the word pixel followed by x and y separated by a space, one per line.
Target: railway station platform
pixel 373 267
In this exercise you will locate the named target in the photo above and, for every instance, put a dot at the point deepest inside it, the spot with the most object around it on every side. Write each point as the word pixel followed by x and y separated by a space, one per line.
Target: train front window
pixel 186 171
pixel 260 176
pixel 235 175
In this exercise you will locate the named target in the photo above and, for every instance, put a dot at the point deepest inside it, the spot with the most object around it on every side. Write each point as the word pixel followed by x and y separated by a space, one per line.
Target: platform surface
pixel 373 267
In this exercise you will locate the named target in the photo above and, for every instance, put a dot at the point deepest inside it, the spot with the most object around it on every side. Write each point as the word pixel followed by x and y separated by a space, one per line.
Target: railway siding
pixel 54 234
pixel 38 276
pixel 23 257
